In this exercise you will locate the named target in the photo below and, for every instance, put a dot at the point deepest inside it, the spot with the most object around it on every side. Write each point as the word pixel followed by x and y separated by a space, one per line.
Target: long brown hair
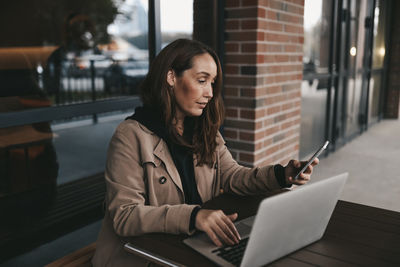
pixel 157 94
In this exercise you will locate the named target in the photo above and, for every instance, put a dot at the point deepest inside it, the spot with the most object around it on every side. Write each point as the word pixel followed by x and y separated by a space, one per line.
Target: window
pixel 69 74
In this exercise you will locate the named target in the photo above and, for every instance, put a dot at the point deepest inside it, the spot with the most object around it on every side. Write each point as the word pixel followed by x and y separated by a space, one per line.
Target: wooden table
pixel 356 235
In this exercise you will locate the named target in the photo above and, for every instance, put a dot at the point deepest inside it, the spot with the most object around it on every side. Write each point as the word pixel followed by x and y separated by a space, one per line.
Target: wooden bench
pixel 81 258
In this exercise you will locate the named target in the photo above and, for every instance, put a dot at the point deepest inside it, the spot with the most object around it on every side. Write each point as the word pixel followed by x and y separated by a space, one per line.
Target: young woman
pixel 169 158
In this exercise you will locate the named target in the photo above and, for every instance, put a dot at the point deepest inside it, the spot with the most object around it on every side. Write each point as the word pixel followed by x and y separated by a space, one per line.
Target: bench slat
pixel 80 258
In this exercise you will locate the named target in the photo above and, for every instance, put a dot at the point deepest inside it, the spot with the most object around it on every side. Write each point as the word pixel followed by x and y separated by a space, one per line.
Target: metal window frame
pixel 18 118
pixel 154 22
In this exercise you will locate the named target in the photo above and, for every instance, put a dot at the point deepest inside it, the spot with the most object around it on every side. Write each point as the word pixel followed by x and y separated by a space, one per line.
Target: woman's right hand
pixel 218 226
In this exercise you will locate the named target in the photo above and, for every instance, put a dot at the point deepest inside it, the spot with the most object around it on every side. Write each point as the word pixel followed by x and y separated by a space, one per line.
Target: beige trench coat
pixel 144 190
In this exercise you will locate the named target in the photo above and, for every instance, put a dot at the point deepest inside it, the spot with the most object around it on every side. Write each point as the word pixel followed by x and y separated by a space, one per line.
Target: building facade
pixel 296 73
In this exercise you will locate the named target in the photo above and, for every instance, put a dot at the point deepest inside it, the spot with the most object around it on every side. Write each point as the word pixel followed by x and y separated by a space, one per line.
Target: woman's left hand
pixel 294 166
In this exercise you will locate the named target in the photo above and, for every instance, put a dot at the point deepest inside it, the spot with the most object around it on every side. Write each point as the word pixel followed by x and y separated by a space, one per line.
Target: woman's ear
pixel 171 78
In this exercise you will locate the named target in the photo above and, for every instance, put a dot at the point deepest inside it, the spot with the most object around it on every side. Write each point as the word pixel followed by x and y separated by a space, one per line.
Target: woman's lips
pixel 202 104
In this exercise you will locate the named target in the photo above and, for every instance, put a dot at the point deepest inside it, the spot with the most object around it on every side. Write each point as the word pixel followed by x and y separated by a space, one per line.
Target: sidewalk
pixel 373 163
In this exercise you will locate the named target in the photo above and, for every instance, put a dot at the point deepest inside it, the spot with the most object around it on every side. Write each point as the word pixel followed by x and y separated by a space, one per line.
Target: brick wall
pixel 263 74
pixel 392 106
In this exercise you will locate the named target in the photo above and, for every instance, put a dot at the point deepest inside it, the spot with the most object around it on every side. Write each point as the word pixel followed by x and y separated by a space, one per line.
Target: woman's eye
pixel 202 81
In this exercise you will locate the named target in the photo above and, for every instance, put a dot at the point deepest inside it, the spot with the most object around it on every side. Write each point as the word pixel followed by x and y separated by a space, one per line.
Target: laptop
pixel 284 223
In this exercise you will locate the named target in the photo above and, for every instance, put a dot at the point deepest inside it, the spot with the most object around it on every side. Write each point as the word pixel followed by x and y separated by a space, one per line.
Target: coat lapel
pixel 161 151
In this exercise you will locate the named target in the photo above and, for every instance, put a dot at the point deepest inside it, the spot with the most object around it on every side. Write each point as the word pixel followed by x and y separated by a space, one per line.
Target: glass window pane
pixel 313 111
pixel 374 96
pixel 176 20
pixel 81 145
pixel 378 53
pixel 57 53
pixel 355 95
pixel 81 51
pixel 317 28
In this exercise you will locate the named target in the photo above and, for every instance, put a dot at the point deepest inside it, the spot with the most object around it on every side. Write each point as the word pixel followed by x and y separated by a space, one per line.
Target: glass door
pixel 354 61
pixel 356 96
pixel 376 84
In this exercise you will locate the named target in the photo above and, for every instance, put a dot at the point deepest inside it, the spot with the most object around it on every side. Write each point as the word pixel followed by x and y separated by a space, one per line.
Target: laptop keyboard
pixel 233 254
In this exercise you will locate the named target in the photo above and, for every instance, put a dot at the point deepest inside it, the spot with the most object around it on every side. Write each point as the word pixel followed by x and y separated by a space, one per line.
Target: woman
pixel 169 158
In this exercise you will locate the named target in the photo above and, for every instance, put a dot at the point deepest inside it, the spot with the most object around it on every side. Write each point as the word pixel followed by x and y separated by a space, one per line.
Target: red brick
pixel 232 24
pixel 231 91
pixel 248 92
pixel 249 2
pixel 232 113
pixel 295 9
pixel 232 3
pixel 273 110
pixel 249 47
pixel 262 24
pixel 247 81
pixel 270 131
pixel 241 36
pixel 289 18
pixel 281 58
pixel 264 69
pixel 267 142
pixel 241 59
pixel 269 122
pixel 260 36
pixel 292 48
pixel 273 149
pixel 246 157
pixel 293 113
pixel 248 114
pixel 293 29
pixel 274 26
pixel 276 37
pixel 274 99
pixel 230 133
pixel 276 5
pixel 272 15
pixel 274 48
pixel 286 125
pixel 250 12
pixel 292 68
pixel 263 3
pixel 274 89
pixel 261 13
pixel 251 136
pixel 297 2
pixel 231 69
pixel 249 24
pixel 247 136
pixel 231 47
pixel 287 106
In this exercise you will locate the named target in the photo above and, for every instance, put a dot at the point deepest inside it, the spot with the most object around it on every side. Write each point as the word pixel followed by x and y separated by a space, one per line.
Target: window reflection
pixel 317 26
pixel 29 166
pixel 379 36
pixel 375 84
pixel 355 95
pixel 82 52
pixel 313 110
pixel 314 89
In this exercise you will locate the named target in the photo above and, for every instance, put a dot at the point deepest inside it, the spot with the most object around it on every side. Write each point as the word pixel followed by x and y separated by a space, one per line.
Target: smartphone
pixel 316 154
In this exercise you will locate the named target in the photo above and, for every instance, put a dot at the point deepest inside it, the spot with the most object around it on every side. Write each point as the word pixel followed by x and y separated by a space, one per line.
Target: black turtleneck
pixel 181 155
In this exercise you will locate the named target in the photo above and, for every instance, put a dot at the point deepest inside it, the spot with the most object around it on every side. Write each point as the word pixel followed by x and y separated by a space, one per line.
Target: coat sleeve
pixel 242 180
pixel 127 196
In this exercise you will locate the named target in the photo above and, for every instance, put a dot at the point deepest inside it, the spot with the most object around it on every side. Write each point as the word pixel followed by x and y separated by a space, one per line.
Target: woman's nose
pixel 208 91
